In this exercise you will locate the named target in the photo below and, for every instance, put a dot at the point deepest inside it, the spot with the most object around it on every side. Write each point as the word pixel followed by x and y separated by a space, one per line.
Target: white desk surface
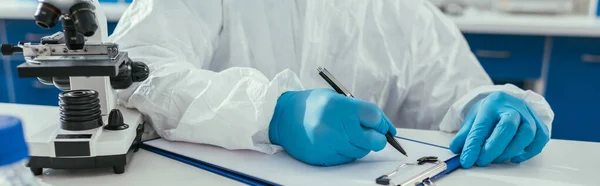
pixel 472 21
pixel 562 163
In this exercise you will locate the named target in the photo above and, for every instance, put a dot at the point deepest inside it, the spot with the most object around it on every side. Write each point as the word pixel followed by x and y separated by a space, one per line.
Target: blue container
pixel 12 141
pixel 14 154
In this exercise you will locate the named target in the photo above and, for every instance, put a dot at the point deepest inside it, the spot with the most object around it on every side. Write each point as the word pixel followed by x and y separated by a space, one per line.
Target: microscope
pixel 92 130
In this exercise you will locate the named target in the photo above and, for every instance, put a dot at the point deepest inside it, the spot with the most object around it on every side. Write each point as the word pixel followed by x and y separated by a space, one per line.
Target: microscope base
pixel 97 148
pixel 117 162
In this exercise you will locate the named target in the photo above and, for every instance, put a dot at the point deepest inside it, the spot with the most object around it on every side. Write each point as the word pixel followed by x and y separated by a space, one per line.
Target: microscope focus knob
pixel 115 121
pixel 130 72
pixel 139 71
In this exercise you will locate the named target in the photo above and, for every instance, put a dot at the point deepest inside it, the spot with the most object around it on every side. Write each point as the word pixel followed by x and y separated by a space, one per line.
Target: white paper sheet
pixel 282 169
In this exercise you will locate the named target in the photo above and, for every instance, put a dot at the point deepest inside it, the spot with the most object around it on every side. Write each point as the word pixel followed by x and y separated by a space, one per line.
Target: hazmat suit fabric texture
pixel 218 67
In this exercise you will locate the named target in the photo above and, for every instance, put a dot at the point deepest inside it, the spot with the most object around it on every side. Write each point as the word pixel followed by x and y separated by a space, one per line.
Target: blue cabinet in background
pixel 573 88
pixel 28 90
pixel 509 57
pixel 32 91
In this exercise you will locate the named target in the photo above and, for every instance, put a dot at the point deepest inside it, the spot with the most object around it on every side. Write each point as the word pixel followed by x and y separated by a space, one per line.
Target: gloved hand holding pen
pixel 322 127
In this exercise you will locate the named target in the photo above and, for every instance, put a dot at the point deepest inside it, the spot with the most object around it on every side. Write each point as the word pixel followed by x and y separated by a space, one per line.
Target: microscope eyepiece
pixel 46 15
pixel 84 18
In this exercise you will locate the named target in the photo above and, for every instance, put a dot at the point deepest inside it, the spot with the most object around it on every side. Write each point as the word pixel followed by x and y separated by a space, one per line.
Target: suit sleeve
pixel 184 102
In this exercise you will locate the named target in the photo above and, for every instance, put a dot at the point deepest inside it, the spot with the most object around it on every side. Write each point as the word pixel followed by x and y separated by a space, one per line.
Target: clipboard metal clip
pixel 424 178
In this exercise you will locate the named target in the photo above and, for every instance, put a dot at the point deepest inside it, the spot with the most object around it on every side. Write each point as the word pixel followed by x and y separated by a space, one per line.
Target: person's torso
pixel 365 44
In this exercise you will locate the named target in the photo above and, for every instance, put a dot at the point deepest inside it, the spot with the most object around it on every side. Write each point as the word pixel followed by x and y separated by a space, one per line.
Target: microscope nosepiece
pixel 73 39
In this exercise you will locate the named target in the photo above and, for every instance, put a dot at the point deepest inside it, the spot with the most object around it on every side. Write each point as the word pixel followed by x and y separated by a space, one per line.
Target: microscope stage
pixel 72 67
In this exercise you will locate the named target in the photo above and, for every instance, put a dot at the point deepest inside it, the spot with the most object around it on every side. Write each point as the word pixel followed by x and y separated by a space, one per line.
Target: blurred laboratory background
pixel 548 46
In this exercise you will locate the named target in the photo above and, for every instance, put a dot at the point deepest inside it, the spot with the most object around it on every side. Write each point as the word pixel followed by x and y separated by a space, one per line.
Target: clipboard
pixel 255 168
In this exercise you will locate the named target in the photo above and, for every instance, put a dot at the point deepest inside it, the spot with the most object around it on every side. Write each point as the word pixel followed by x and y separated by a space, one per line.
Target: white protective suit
pixel 218 67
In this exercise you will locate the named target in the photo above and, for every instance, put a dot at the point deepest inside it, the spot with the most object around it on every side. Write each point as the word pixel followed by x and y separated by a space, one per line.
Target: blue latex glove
pixel 322 127
pixel 498 128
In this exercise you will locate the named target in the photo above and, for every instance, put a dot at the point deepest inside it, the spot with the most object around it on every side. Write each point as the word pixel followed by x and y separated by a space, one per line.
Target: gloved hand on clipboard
pixel 499 128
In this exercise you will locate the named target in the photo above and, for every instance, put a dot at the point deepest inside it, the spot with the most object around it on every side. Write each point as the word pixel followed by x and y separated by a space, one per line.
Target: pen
pixel 340 89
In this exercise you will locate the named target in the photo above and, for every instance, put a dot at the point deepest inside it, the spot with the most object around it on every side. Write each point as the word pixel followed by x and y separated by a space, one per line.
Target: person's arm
pixel 231 109
pixel 447 79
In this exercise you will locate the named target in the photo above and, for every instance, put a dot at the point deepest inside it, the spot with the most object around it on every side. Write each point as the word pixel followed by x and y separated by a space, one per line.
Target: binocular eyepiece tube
pixel 78 19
